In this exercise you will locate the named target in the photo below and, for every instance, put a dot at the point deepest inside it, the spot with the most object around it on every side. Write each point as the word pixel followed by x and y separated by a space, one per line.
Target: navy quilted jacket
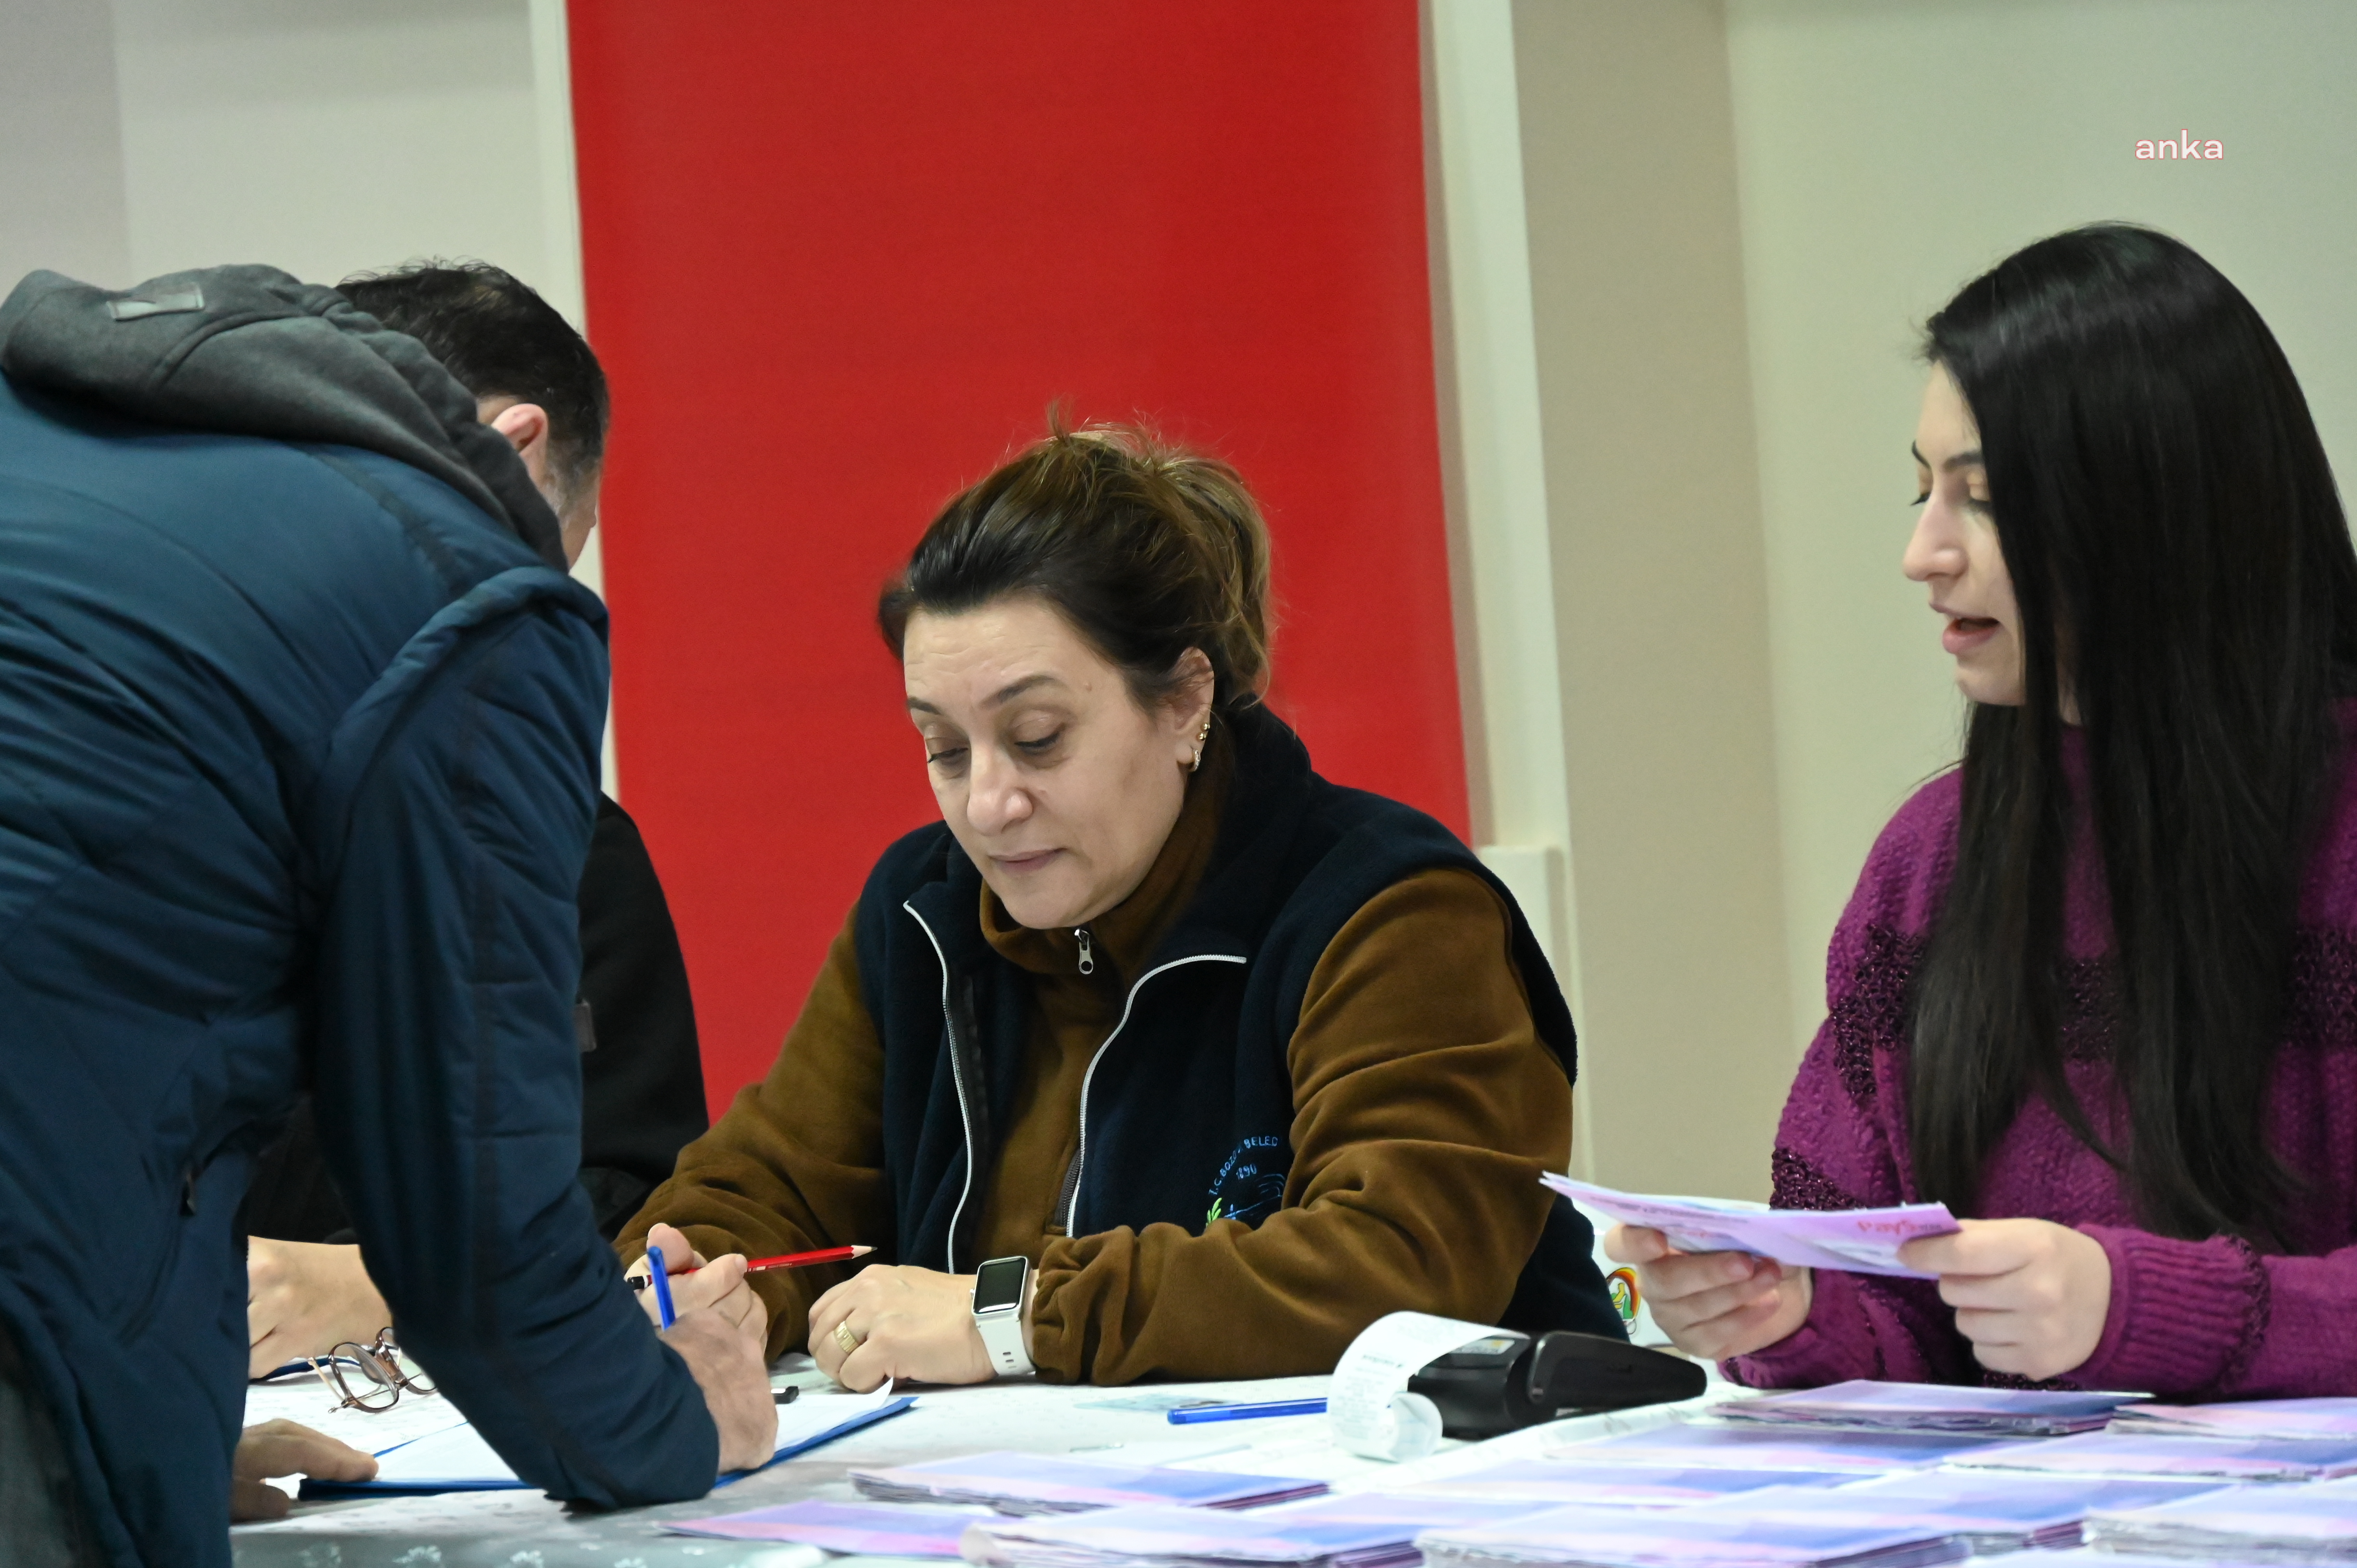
pixel 297 767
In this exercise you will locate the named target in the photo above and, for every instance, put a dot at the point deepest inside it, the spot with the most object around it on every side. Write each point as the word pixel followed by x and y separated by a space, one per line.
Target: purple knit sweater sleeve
pixel 1842 1141
pixel 2214 1317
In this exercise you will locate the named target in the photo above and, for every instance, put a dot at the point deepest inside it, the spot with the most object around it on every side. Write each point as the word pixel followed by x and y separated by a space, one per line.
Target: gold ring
pixel 845 1337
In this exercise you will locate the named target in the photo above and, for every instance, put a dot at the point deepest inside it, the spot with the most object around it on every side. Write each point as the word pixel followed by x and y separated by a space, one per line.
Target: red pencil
pixel 804 1260
pixel 789 1261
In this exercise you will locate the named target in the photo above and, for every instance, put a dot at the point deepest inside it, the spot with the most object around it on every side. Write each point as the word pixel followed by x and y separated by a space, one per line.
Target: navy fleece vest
pixel 1186 1112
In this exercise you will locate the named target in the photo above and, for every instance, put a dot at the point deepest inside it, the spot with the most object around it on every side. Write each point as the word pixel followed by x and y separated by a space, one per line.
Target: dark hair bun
pixel 1146 550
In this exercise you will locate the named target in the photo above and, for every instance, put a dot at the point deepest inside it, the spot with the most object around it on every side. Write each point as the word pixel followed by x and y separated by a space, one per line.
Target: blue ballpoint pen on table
pixel 1185 1415
pixel 661 1277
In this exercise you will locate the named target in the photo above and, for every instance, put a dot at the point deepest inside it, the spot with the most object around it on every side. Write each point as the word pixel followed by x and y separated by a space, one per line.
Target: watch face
pixel 998 1285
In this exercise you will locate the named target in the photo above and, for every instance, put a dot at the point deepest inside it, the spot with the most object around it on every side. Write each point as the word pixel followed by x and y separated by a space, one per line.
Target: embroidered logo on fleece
pixel 1250 1183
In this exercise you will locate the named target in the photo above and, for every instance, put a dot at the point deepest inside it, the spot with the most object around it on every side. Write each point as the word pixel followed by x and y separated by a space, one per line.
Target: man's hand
pixel 2030 1294
pixel 728 1367
pixel 699 1285
pixel 1714 1304
pixel 283 1448
pixel 910 1323
pixel 302 1299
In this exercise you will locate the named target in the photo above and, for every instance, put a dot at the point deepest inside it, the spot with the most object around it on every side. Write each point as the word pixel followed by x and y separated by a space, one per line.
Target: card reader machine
pixel 1509 1380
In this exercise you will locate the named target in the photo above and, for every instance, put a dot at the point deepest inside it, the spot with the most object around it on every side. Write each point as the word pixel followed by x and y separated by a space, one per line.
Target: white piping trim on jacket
pixel 957 1077
pixel 1081 1158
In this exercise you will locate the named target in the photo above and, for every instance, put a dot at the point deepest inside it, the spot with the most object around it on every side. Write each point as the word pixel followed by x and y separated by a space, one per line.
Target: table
pixel 525 1530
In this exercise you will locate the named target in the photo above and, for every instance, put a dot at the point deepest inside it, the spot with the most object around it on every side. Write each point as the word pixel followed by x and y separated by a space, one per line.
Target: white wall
pixel 1888 151
pixel 324 137
pixel 61 142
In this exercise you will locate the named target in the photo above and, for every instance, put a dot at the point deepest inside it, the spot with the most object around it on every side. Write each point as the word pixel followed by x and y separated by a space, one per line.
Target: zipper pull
pixel 1088 950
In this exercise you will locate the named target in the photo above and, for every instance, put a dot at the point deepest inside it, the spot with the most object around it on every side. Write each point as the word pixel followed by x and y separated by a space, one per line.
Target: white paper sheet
pixel 308 1403
pixel 1852 1240
pixel 458 1458
pixel 1368 1404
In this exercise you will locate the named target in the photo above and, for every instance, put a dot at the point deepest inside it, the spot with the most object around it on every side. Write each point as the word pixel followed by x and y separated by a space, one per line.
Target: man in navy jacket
pixel 299 740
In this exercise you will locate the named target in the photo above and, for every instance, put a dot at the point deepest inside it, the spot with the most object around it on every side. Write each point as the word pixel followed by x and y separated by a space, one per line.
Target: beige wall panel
pixel 1653 493
pixel 60 146
pixel 325 136
pixel 1891 149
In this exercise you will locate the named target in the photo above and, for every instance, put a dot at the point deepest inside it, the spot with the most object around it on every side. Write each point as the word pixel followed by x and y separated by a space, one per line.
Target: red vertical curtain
pixel 840 259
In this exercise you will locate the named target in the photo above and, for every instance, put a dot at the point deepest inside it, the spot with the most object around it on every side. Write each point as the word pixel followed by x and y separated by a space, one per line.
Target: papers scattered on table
pixel 1988 1512
pixel 1687 1538
pixel 2112 1452
pixel 305 1399
pixel 1692 1443
pixel 871 1530
pixel 1554 1482
pixel 458 1459
pixel 2289 1420
pixel 1364 1530
pixel 1855 1240
pixel 1040 1483
pixel 1865 1406
pixel 2271 1524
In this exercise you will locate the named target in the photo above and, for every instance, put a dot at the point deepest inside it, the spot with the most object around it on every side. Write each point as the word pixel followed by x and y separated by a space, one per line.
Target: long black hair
pixel 2183 572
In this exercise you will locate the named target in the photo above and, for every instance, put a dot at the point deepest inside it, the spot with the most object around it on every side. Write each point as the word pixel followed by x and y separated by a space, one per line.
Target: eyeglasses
pixel 369 1377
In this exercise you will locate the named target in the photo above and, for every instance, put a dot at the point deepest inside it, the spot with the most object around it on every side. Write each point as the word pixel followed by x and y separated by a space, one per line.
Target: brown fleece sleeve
pixel 1424 1108
pixel 797 1161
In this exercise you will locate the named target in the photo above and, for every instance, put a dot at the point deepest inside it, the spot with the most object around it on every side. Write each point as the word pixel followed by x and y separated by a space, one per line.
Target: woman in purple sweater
pixel 2098 985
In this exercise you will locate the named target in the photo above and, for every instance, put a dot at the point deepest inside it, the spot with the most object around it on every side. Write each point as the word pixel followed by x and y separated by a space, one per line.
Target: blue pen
pixel 662 1277
pixel 1185 1416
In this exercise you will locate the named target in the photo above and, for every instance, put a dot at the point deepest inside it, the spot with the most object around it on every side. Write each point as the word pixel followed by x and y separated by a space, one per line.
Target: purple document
pixel 1695 1443
pixel 1045 1483
pixel 2116 1453
pixel 2293 1419
pixel 1862 1405
pixel 2283 1524
pixel 1851 1241
pixel 1991 1511
pixel 1716 1537
pixel 870 1529
pixel 1554 1482
pixel 1360 1530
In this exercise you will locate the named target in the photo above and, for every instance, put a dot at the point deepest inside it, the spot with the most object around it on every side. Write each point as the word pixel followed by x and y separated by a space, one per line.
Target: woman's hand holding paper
pixel 1712 1304
pixel 2032 1295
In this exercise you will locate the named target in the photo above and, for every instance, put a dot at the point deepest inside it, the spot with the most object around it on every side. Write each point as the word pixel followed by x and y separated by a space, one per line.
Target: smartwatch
pixel 1000 1287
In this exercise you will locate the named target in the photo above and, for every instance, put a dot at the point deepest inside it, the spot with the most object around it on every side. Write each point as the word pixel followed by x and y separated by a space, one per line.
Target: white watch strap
pixel 1002 1336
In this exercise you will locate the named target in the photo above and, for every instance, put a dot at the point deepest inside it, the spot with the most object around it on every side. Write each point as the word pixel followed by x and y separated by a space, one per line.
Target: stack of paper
pixel 1763 1448
pixel 2113 1452
pixel 1687 1538
pixel 2291 1419
pixel 1867 1406
pixel 1045 1483
pixel 1552 1481
pixel 1988 1512
pixel 863 1528
pixel 1855 1240
pixel 2258 1524
pixel 1364 1530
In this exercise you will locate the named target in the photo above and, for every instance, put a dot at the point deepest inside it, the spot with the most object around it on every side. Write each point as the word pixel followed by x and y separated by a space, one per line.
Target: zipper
pixel 1088 950
pixel 1080 1159
pixel 957 1077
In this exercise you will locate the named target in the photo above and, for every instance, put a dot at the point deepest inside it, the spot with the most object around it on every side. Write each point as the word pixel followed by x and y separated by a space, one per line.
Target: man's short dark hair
pixel 500 339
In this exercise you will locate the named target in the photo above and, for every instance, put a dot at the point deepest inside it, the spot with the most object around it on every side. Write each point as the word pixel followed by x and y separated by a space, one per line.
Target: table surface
pixel 525 1529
